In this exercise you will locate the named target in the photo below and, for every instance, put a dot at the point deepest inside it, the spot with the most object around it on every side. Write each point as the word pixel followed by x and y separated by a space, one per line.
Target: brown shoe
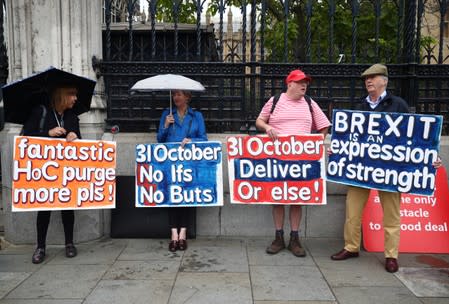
pixel 343 255
pixel 277 245
pixel 391 265
pixel 295 247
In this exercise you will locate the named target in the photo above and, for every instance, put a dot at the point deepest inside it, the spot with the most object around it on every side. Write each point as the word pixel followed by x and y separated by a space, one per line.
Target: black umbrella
pixel 21 96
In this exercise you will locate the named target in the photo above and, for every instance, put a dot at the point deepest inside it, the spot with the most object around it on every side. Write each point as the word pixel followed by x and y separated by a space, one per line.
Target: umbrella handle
pixel 170 103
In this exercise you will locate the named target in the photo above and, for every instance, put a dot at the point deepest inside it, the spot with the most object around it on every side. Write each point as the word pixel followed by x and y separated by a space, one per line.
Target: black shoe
pixel 70 251
pixel 38 256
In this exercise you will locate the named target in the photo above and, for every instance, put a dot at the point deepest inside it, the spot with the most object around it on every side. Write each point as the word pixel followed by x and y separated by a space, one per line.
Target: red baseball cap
pixel 297 75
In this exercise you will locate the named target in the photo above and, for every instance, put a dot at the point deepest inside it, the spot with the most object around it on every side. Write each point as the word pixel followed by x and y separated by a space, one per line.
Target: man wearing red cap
pixel 291 116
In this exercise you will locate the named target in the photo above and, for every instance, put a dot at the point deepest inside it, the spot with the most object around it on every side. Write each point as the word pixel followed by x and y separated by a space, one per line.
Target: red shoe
pixel 173 246
pixel 182 244
pixel 391 265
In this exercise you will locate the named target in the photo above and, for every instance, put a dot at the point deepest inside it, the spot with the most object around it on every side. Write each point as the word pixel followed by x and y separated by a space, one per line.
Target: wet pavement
pixel 217 270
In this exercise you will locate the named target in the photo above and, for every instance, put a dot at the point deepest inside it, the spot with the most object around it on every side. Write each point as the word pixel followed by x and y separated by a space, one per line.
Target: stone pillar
pixel 64 34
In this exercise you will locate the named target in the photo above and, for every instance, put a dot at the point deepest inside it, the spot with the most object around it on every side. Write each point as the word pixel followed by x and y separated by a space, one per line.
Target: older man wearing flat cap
pixel 378 100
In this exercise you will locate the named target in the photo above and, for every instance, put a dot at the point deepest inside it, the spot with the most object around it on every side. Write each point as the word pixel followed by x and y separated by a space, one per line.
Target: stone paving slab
pixel 60 282
pixel 207 288
pixel 218 242
pixel 427 282
pixel 17 249
pixel 375 295
pixel 361 271
pixel 323 247
pixel 143 270
pixel 148 249
pixel 38 301
pixel 288 283
pixel 294 302
pixel 424 260
pixel 203 258
pixel 130 291
pixel 9 280
pixel 217 270
pixel 434 300
pixel 98 253
pixel 258 256
pixel 20 262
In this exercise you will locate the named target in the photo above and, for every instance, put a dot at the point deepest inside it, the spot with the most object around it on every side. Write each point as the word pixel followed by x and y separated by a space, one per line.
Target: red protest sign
pixel 424 221
pixel 289 170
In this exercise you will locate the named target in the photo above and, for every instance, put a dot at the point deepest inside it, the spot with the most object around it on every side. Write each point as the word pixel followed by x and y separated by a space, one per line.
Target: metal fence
pixel 242 70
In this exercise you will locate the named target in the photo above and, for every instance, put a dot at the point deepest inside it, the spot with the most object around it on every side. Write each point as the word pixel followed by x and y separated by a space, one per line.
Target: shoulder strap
pixel 42 121
pixel 309 102
pixel 275 101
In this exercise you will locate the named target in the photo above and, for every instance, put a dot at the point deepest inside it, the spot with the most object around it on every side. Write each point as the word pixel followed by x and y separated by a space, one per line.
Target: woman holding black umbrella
pixel 58 120
pixel 183 125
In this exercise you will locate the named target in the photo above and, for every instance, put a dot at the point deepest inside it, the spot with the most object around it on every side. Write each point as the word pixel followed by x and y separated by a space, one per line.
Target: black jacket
pixel 389 103
pixel 70 121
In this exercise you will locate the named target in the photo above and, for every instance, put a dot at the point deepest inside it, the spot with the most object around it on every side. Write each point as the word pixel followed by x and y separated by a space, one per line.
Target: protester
pixel 291 116
pixel 56 121
pixel 183 125
pixel 378 100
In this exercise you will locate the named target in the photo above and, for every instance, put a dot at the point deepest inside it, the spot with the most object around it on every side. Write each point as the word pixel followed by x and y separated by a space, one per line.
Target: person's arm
pixel 72 126
pixel 162 132
pixel 324 131
pixel 438 163
pixel 263 126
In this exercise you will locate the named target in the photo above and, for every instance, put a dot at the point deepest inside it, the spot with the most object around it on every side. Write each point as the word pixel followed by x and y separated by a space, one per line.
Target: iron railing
pixel 241 71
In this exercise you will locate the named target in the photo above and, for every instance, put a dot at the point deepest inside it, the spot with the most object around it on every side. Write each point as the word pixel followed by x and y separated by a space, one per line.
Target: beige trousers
pixel 356 199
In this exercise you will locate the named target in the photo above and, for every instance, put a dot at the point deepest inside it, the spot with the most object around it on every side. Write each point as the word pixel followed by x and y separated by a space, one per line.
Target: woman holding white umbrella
pixel 180 124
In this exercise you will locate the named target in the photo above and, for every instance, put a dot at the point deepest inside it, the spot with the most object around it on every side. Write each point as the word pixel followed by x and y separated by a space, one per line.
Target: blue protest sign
pixel 385 151
pixel 168 175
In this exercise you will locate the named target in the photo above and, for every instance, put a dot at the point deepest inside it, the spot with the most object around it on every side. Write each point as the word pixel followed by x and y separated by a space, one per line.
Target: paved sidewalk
pixel 230 271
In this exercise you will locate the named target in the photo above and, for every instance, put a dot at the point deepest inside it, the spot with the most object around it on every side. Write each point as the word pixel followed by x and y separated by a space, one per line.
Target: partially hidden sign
pixel 52 174
pixel 168 175
pixel 289 170
pixel 385 151
pixel 424 221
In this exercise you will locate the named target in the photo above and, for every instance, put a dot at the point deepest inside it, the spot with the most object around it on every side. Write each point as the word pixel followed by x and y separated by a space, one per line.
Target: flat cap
pixel 375 69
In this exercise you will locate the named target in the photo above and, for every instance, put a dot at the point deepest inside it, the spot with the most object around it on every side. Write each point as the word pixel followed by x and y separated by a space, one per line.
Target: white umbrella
pixel 167 82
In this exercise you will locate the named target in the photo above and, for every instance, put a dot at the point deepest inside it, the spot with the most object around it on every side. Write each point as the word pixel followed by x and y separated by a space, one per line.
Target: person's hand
pixel 185 141
pixel 329 151
pixel 272 133
pixel 438 163
pixel 56 132
pixel 71 136
pixel 169 119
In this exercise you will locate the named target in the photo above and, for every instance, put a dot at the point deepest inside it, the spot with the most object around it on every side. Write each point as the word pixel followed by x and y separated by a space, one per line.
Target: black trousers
pixel 43 220
pixel 178 217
